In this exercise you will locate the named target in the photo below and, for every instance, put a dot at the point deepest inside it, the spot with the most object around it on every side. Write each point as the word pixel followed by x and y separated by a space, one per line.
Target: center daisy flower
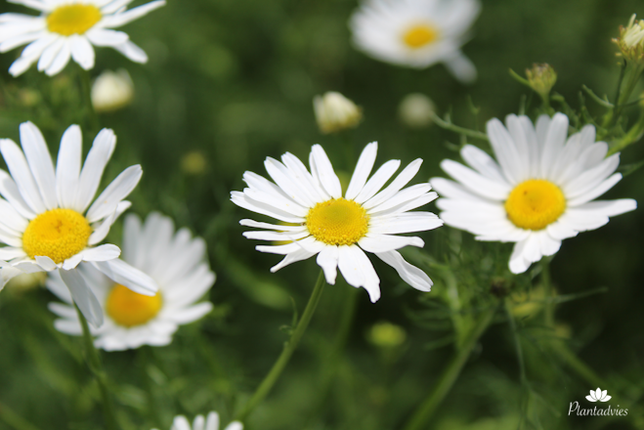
pixel 320 220
pixel 49 222
pixel 417 33
pixel 68 29
pixel 539 192
pixel 176 262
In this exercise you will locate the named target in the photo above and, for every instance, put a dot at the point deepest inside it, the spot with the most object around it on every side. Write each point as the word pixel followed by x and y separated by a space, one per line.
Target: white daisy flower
pixel 200 423
pixel 46 223
pixel 68 29
pixel 340 228
pixel 539 190
pixel 417 33
pixel 176 261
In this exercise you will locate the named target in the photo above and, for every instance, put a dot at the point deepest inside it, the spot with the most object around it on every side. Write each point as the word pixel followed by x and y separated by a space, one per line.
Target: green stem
pixel 460 130
pixel 13 420
pixel 576 365
pixel 94 364
pixel 290 346
pixel 447 379
pixel 144 353
pixel 546 282
pixel 86 89
pixel 633 135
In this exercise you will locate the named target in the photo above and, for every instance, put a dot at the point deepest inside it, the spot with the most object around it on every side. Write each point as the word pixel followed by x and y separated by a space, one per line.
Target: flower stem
pixel 86 90
pixel 13 420
pixel 549 305
pixel 94 364
pixel 447 379
pixel 290 346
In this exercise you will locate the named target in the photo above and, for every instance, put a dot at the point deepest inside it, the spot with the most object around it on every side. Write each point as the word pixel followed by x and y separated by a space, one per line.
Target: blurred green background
pixel 231 82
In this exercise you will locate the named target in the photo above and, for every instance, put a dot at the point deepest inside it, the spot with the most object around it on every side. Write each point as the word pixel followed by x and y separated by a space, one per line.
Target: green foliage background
pixel 234 80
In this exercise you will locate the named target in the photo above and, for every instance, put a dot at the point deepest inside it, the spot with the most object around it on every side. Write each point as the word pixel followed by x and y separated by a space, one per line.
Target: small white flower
pixel 210 423
pixel 339 228
pixel 416 110
pixel 112 91
pixel 598 396
pixel 68 29
pixel 49 222
pixel 540 190
pixel 334 112
pixel 174 260
pixel 417 33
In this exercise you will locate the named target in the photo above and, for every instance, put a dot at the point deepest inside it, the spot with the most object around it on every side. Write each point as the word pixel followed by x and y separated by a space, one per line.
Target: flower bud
pixel 112 91
pixel 194 163
pixel 631 40
pixel 542 78
pixel 416 110
pixel 334 112
pixel 386 335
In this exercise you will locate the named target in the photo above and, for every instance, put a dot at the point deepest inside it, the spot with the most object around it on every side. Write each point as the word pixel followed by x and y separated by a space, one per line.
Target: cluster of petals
pixel 176 262
pixel 53 50
pixel 35 187
pixel 296 191
pixel 379 26
pixel 577 165
pixel 211 422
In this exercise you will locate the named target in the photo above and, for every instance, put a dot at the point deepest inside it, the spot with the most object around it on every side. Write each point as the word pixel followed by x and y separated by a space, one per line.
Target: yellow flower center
pixel 534 204
pixel 420 35
pixel 57 234
pixel 73 19
pixel 129 309
pixel 337 222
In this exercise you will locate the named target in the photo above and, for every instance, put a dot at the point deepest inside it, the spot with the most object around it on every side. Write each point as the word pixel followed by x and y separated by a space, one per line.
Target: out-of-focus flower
pixel 46 223
pixel 112 91
pixel 416 110
pixel 334 112
pixel 194 163
pixel 386 335
pixel 174 260
pixel 336 228
pixel 631 40
pixel 541 78
pixel 27 281
pixel 67 30
pixel 540 190
pixel 200 423
pixel 417 33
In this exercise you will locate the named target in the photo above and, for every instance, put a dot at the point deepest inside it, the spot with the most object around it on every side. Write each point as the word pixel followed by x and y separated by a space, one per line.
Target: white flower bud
pixel 416 110
pixel 334 112
pixel 112 91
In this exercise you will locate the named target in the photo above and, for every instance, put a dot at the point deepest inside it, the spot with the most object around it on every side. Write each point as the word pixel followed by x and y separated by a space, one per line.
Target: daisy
pixel 417 33
pixel 340 228
pixel 539 192
pixel 210 423
pixel 68 29
pixel 174 260
pixel 49 222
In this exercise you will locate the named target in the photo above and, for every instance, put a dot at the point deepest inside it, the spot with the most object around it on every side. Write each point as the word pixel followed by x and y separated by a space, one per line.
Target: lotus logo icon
pixel 598 396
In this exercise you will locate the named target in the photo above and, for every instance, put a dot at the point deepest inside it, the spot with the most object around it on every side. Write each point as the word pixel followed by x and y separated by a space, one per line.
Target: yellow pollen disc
pixel 337 222
pixel 73 19
pixel 57 234
pixel 420 35
pixel 534 204
pixel 129 309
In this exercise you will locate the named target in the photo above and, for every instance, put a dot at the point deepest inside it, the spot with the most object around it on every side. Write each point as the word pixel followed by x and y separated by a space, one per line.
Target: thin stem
pixel 143 354
pixel 447 379
pixel 290 346
pixel 460 130
pixel 549 306
pixel 86 89
pixel 577 365
pixel 13 420
pixel 94 364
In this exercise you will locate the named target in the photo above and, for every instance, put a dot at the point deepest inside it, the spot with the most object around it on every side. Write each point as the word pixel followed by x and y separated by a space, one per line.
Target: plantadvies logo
pixel 596 396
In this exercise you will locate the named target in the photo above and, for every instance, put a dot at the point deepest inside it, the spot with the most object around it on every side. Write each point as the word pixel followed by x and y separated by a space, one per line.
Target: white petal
pixel 133 52
pixel 120 188
pixel 554 141
pixel 105 37
pixel 321 166
pixel 46 263
pixel 83 296
pixel 122 273
pixel 358 270
pixel 34 4
pixel 461 67
pixel 50 53
pixel 404 223
pixel 82 51
pixel 362 170
pixel 123 18
pixel 98 156
pixel 9 190
pixel 131 242
pixel 506 151
pixel 40 164
pixel 235 425
pixel 276 236
pixel 385 242
pixel 597 191
pixel 191 314
pixel 378 180
pixel 11 218
pixel 297 254
pixel 240 199
pixel 68 166
pixel 396 185
pixel 476 182
pixel 327 259
pixel 302 175
pixel 288 185
pixel 256 224
pixel 212 422
pixel 480 161
pixel 21 174
pixel 409 273
pixel 60 61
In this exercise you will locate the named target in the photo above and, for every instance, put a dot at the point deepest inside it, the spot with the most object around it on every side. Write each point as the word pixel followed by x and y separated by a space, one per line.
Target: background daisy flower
pixel 175 261
pixel 336 228
pixel 540 190
pixel 68 29
pixel 417 33
pixel 49 222
pixel 210 423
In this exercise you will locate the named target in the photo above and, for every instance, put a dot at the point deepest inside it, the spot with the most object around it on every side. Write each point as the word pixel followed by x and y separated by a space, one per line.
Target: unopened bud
pixel 193 163
pixel 542 78
pixel 416 110
pixel 334 112
pixel 112 91
pixel 631 40
pixel 386 335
